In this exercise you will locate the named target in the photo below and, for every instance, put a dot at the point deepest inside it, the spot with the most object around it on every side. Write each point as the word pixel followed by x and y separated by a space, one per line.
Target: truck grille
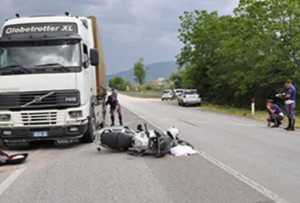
pixel 39 118
pixel 53 99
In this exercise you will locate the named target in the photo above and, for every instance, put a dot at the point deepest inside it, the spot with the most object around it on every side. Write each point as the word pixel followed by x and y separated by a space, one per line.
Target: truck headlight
pixel 5 117
pixel 75 114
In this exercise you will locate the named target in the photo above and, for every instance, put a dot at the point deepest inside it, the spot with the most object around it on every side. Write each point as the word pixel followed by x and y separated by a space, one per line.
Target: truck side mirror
pixel 94 57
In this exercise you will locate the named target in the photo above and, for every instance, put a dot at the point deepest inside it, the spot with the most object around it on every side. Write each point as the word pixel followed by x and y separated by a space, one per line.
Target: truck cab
pixel 52 79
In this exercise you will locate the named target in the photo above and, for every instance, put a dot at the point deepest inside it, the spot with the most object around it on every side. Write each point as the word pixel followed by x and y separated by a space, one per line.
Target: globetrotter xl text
pixel 35 28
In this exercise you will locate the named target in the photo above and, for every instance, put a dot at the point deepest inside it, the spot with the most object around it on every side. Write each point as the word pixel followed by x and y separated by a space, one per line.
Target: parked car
pixel 178 92
pixel 167 95
pixel 189 97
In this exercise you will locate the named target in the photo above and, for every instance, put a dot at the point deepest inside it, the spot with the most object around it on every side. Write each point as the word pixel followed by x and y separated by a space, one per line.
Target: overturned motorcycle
pixel 141 142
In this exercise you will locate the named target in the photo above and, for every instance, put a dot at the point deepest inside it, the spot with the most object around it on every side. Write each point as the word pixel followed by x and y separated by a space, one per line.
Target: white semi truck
pixel 52 79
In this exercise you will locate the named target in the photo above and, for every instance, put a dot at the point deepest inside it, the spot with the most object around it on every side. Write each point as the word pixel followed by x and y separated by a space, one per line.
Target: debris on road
pixel 182 150
pixel 144 142
pixel 6 159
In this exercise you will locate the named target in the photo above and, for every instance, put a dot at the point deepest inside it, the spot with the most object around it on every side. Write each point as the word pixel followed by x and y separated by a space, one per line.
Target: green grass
pixel 259 115
pixel 144 94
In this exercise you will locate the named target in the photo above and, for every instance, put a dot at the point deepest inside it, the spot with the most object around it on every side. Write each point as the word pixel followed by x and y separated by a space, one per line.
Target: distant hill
pixel 153 71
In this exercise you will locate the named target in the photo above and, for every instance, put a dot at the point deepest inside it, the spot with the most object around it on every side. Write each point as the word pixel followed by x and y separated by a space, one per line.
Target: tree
pixel 119 83
pixel 231 59
pixel 176 79
pixel 139 72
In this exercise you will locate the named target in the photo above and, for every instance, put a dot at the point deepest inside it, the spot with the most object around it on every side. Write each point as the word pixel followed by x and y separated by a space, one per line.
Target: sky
pixel 131 29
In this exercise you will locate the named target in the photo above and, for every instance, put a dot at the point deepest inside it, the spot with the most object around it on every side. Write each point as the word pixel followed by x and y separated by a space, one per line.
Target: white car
pixel 189 97
pixel 167 95
pixel 178 92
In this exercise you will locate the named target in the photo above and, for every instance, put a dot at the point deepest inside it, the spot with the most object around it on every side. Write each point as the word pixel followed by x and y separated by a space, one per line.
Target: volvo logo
pixel 38 99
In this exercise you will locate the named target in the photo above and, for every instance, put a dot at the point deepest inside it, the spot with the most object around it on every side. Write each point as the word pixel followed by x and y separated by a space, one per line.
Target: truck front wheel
pixel 89 136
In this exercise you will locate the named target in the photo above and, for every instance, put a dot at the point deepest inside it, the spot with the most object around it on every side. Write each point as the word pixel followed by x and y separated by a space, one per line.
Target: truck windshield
pixel 39 57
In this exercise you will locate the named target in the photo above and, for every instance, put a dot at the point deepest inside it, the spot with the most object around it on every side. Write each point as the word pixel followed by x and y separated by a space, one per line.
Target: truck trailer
pixel 52 79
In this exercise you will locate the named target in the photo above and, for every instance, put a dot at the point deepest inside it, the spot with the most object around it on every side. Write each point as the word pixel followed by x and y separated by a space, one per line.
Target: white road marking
pixel 10 180
pixel 258 187
pixel 241 177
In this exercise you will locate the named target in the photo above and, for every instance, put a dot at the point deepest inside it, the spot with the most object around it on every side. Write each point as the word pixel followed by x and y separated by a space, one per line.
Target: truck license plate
pixel 40 134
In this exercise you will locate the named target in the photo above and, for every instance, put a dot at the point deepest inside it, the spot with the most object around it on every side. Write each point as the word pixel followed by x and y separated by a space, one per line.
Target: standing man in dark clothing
pixel 115 106
pixel 275 114
pixel 289 96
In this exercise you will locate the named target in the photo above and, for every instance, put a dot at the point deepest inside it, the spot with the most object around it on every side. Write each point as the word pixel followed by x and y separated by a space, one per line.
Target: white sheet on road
pixel 182 150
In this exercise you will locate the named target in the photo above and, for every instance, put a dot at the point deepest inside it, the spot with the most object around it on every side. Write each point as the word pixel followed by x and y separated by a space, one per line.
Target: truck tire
pixel 89 136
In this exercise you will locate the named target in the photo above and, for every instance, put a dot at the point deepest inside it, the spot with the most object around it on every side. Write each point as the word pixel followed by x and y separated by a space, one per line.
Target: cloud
pixel 131 28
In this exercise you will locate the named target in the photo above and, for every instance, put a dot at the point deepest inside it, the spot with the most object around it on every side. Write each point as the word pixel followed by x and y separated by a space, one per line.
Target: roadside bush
pixel 119 84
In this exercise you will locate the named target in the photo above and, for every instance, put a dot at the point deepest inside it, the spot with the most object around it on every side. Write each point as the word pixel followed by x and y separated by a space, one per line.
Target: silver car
pixel 178 92
pixel 167 95
pixel 189 97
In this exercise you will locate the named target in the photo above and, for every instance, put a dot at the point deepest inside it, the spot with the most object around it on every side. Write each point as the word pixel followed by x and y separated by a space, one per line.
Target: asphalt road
pixel 239 161
pixel 266 159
